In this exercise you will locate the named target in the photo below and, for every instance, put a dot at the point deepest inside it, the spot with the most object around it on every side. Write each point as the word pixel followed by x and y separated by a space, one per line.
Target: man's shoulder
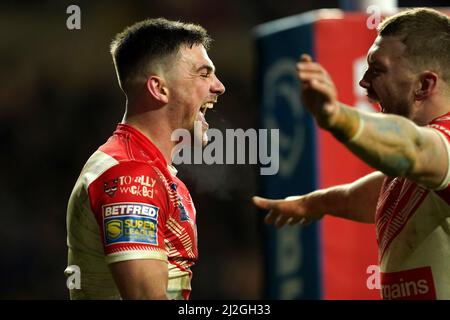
pixel 118 166
pixel 106 169
pixel 104 164
pixel 116 147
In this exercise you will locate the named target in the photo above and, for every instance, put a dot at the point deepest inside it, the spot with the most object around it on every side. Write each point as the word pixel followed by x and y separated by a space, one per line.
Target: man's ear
pixel 427 84
pixel 156 87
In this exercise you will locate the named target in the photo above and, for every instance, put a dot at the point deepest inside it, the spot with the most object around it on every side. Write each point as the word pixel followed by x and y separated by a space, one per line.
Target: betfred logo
pixel 123 208
pixel 414 284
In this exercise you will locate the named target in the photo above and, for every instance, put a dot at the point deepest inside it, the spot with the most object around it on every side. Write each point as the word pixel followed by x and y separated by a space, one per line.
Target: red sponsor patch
pixel 414 284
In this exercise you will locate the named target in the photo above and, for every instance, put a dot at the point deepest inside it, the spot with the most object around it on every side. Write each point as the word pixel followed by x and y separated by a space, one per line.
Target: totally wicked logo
pixel 136 185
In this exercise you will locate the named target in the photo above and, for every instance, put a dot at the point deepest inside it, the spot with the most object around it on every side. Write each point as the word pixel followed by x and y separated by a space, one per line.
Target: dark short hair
pixel 426 34
pixel 145 44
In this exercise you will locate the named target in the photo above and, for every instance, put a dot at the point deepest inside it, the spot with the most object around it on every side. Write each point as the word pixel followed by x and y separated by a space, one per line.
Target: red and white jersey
pixel 413 233
pixel 128 204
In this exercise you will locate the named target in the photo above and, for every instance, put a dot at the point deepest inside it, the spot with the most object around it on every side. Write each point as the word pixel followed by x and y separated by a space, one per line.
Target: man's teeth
pixel 206 106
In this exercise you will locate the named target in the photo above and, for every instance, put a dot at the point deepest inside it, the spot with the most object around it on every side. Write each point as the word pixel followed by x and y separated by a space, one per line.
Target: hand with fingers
pixel 292 210
pixel 317 91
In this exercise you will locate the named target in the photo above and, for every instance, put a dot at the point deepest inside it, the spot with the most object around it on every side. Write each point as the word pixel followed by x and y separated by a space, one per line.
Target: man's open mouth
pixel 206 106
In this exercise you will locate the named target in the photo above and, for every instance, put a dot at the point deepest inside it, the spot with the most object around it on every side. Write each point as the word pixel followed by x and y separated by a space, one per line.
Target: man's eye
pixel 374 72
pixel 205 75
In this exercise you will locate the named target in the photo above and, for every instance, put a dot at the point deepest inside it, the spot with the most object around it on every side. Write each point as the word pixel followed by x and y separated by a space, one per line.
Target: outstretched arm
pixel 389 143
pixel 355 201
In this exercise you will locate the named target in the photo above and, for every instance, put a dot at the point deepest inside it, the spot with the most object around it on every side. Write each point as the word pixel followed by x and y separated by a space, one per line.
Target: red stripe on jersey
pixel 400 200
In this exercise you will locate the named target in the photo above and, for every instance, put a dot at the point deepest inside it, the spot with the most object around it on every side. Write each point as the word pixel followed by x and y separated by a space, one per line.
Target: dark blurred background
pixel 59 100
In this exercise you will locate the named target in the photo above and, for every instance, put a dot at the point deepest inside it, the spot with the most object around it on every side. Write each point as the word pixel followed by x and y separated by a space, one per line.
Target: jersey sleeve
pixel 130 205
pixel 442 127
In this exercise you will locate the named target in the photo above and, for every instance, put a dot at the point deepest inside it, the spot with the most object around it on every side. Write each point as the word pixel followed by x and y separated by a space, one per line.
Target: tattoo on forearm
pixel 346 124
pixel 387 144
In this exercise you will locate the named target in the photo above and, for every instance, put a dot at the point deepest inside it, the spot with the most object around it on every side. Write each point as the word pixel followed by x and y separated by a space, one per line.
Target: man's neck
pixel 431 109
pixel 154 128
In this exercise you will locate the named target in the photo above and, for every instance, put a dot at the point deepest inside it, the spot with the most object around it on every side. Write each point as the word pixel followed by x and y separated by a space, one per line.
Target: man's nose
pixel 217 87
pixel 364 83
